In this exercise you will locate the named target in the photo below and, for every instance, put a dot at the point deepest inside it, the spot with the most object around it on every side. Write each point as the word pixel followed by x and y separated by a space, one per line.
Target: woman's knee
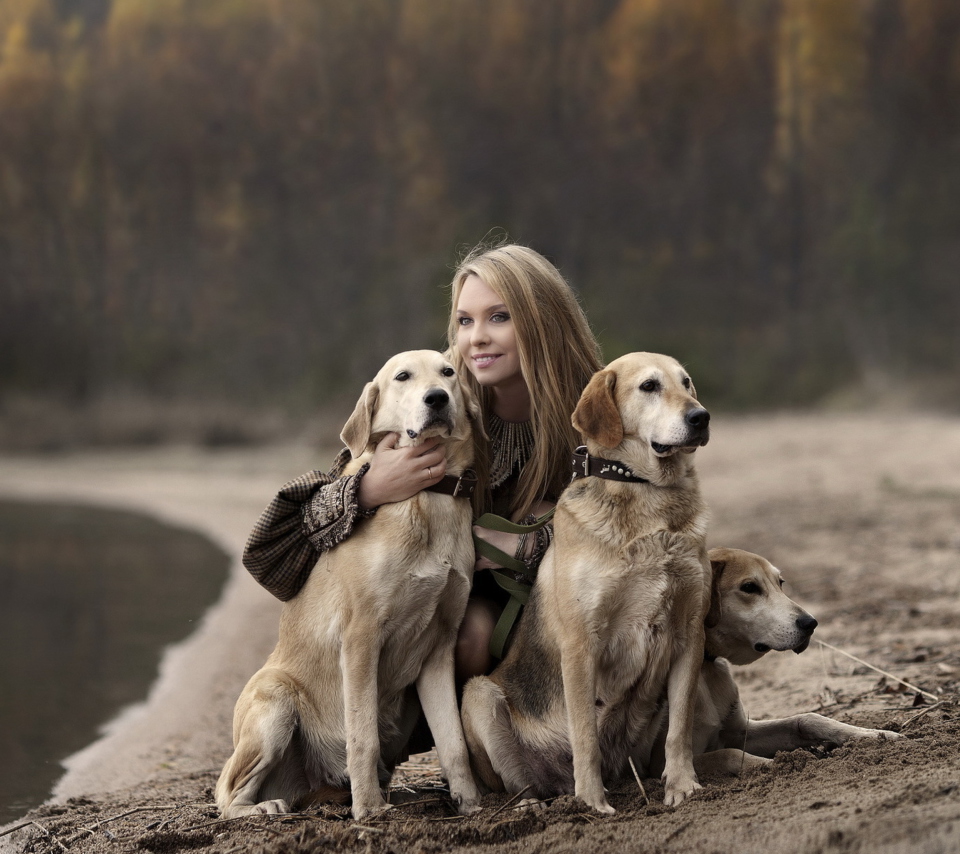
pixel 472 657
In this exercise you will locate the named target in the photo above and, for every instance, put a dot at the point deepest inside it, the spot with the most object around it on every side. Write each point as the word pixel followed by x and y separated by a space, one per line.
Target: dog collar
pixel 458 487
pixel 586 466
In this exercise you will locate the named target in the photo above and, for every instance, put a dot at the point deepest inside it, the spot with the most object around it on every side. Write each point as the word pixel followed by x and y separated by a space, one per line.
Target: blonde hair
pixel 558 355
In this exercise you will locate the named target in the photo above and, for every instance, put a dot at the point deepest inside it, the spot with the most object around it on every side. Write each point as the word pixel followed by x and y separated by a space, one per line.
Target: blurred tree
pixel 263 199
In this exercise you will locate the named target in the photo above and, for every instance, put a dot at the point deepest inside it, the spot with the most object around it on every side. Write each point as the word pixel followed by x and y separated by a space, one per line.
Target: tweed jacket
pixel 313 513
pixel 307 517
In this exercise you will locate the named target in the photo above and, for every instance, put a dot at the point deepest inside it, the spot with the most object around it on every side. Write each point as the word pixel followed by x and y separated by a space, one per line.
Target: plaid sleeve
pixel 308 517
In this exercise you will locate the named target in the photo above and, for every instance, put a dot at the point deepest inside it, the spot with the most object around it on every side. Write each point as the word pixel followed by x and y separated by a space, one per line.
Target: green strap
pixel 519 590
pixel 498 640
pixel 505 526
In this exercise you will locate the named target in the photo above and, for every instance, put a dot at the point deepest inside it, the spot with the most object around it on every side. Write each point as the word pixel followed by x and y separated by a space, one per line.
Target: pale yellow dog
pixel 615 622
pixel 750 615
pixel 333 707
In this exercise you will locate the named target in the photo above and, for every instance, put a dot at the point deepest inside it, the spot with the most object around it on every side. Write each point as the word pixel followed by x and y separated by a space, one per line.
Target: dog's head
pixel 416 394
pixel 644 403
pixel 749 612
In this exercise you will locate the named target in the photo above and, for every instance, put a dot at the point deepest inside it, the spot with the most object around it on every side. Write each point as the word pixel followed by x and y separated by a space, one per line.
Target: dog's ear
pixel 716 606
pixel 356 432
pixel 596 415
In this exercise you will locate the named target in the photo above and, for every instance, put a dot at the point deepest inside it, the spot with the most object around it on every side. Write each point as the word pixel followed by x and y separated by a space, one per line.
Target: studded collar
pixel 586 466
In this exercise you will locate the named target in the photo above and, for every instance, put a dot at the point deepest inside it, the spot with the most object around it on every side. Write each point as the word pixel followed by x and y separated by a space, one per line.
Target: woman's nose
pixel 478 335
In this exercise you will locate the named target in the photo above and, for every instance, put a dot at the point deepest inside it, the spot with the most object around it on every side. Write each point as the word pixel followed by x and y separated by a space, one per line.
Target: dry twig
pixel 636 776
pixel 919 715
pixel 516 797
pixel 48 834
pixel 878 670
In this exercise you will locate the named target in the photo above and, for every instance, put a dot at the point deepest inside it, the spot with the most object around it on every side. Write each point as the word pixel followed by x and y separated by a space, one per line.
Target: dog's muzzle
pixel 437 403
pixel 805 624
pixel 697 421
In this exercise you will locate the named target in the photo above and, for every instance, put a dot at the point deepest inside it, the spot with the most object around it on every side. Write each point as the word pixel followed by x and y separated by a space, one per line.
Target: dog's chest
pixel 398 568
pixel 635 630
pixel 647 593
pixel 422 536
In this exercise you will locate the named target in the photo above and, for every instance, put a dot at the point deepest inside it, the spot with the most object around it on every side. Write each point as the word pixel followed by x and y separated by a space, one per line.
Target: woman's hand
pixel 396 474
pixel 507 543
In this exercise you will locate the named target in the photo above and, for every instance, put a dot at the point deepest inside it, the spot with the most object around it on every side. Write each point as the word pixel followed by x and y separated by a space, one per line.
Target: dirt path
pixel 862 514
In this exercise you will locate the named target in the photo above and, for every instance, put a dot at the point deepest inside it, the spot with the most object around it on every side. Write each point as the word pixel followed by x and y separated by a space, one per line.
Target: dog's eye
pixel 686 382
pixel 750 587
pixel 448 372
pixel 402 377
pixel 650 385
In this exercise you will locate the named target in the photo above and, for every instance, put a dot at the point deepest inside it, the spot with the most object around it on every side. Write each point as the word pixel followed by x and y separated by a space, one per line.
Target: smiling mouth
pixel 441 421
pixel 762 647
pixel 484 361
pixel 668 450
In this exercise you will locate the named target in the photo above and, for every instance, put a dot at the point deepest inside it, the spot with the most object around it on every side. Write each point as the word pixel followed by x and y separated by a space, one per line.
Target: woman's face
pixel 486 335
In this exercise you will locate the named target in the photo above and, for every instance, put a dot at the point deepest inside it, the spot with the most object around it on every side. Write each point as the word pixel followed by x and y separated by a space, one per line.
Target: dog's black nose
pixel 436 398
pixel 806 624
pixel 698 418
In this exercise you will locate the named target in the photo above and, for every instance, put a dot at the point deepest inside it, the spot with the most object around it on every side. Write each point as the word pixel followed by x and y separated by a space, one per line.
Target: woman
pixel 519 336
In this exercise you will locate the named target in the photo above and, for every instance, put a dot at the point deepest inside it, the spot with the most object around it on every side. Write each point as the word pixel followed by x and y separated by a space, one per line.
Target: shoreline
pixel 185 718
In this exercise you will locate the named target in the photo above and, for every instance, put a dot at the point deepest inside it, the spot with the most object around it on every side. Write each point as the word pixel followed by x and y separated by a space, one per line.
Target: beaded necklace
pixel 511 443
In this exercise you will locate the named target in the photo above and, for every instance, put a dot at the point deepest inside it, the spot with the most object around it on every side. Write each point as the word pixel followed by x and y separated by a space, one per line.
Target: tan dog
pixel 333 706
pixel 749 616
pixel 615 620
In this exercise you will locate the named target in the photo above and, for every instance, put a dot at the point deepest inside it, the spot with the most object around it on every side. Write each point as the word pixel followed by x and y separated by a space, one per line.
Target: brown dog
pixel 616 618
pixel 749 616
pixel 333 708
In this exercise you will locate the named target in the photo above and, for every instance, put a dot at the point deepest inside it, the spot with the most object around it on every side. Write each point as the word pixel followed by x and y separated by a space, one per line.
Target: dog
pixel 749 616
pixel 616 618
pixel 333 707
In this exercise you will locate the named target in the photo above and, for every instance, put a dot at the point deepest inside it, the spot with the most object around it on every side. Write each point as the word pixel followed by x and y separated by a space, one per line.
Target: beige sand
pixel 861 512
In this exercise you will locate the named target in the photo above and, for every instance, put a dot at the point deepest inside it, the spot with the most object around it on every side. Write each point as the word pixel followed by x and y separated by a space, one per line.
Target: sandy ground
pixel 862 514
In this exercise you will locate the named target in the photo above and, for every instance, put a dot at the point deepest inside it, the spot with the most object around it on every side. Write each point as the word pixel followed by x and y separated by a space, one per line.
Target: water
pixel 89 600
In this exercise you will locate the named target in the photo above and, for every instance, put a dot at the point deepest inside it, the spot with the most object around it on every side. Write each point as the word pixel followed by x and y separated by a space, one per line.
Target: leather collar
pixel 458 487
pixel 586 466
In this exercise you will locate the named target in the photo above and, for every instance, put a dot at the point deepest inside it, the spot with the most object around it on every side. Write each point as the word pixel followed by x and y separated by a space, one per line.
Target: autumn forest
pixel 261 200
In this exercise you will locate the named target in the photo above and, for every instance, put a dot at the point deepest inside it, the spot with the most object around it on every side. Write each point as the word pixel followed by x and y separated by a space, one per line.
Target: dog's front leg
pixel 579 670
pixel 438 696
pixel 680 779
pixel 765 738
pixel 359 659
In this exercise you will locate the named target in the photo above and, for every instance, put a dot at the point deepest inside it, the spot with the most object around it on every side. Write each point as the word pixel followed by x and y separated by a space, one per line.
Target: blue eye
pixel 500 317
pixel 463 321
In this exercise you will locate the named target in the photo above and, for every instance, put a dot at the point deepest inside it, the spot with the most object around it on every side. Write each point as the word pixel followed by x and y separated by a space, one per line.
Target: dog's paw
pixel 531 804
pixel 468 806
pixel 749 762
pixel 600 805
pixel 366 810
pixel 881 734
pixel 275 807
pixel 676 793
pixel 466 797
